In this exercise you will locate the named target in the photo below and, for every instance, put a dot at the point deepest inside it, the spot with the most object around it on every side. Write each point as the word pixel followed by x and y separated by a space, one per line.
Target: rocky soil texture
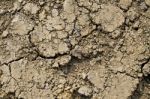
pixel 74 49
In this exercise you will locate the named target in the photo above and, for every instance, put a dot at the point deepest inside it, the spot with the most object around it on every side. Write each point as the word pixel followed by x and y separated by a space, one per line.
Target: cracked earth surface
pixel 74 49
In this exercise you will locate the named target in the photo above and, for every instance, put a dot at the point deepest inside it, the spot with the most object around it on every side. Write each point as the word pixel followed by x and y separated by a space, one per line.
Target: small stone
pixel 85 90
pixel 147 2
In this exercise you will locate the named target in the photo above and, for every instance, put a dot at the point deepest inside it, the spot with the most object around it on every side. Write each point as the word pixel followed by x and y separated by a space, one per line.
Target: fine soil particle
pixel 74 49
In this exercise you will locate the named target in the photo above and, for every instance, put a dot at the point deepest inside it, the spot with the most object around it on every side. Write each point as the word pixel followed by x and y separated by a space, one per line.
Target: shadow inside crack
pixel 143 88
pixel 147 78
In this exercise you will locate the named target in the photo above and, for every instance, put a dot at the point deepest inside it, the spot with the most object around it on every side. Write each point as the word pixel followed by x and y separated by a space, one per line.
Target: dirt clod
pixel 84 90
pixel 110 17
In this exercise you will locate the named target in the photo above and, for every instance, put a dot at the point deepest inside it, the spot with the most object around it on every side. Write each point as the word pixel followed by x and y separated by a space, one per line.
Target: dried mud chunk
pixel 48 43
pixel 132 14
pixel 42 15
pixel 69 9
pixel 109 16
pixel 146 69
pixel 21 25
pixel 85 3
pixel 47 49
pixel 40 34
pixel 125 4
pixel 85 25
pixel 76 52
pixel 30 77
pixel 136 25
pixel 98 77
pixel 5 34
pixel 147 2
pixel 31 8
pixel 147 13
pixel 62 34
pixel 121 86
pixel 85 90
pixel 63 60
pixel 65 95
pixel 63 48
pixel 17 68
pixel 92 5
pixel 145 24
pixel 13 48
pixel 69 6
pixel 6 4
pixel 4 21
pixel 5 77
pixel 55 12
pixel 116 34
pixel 55 23
pixel 143 6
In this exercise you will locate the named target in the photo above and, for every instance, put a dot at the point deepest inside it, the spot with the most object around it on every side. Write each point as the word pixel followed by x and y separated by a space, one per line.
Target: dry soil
pixel 74 49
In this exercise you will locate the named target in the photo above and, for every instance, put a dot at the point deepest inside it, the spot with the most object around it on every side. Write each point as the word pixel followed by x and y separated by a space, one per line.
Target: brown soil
pixel 74 49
